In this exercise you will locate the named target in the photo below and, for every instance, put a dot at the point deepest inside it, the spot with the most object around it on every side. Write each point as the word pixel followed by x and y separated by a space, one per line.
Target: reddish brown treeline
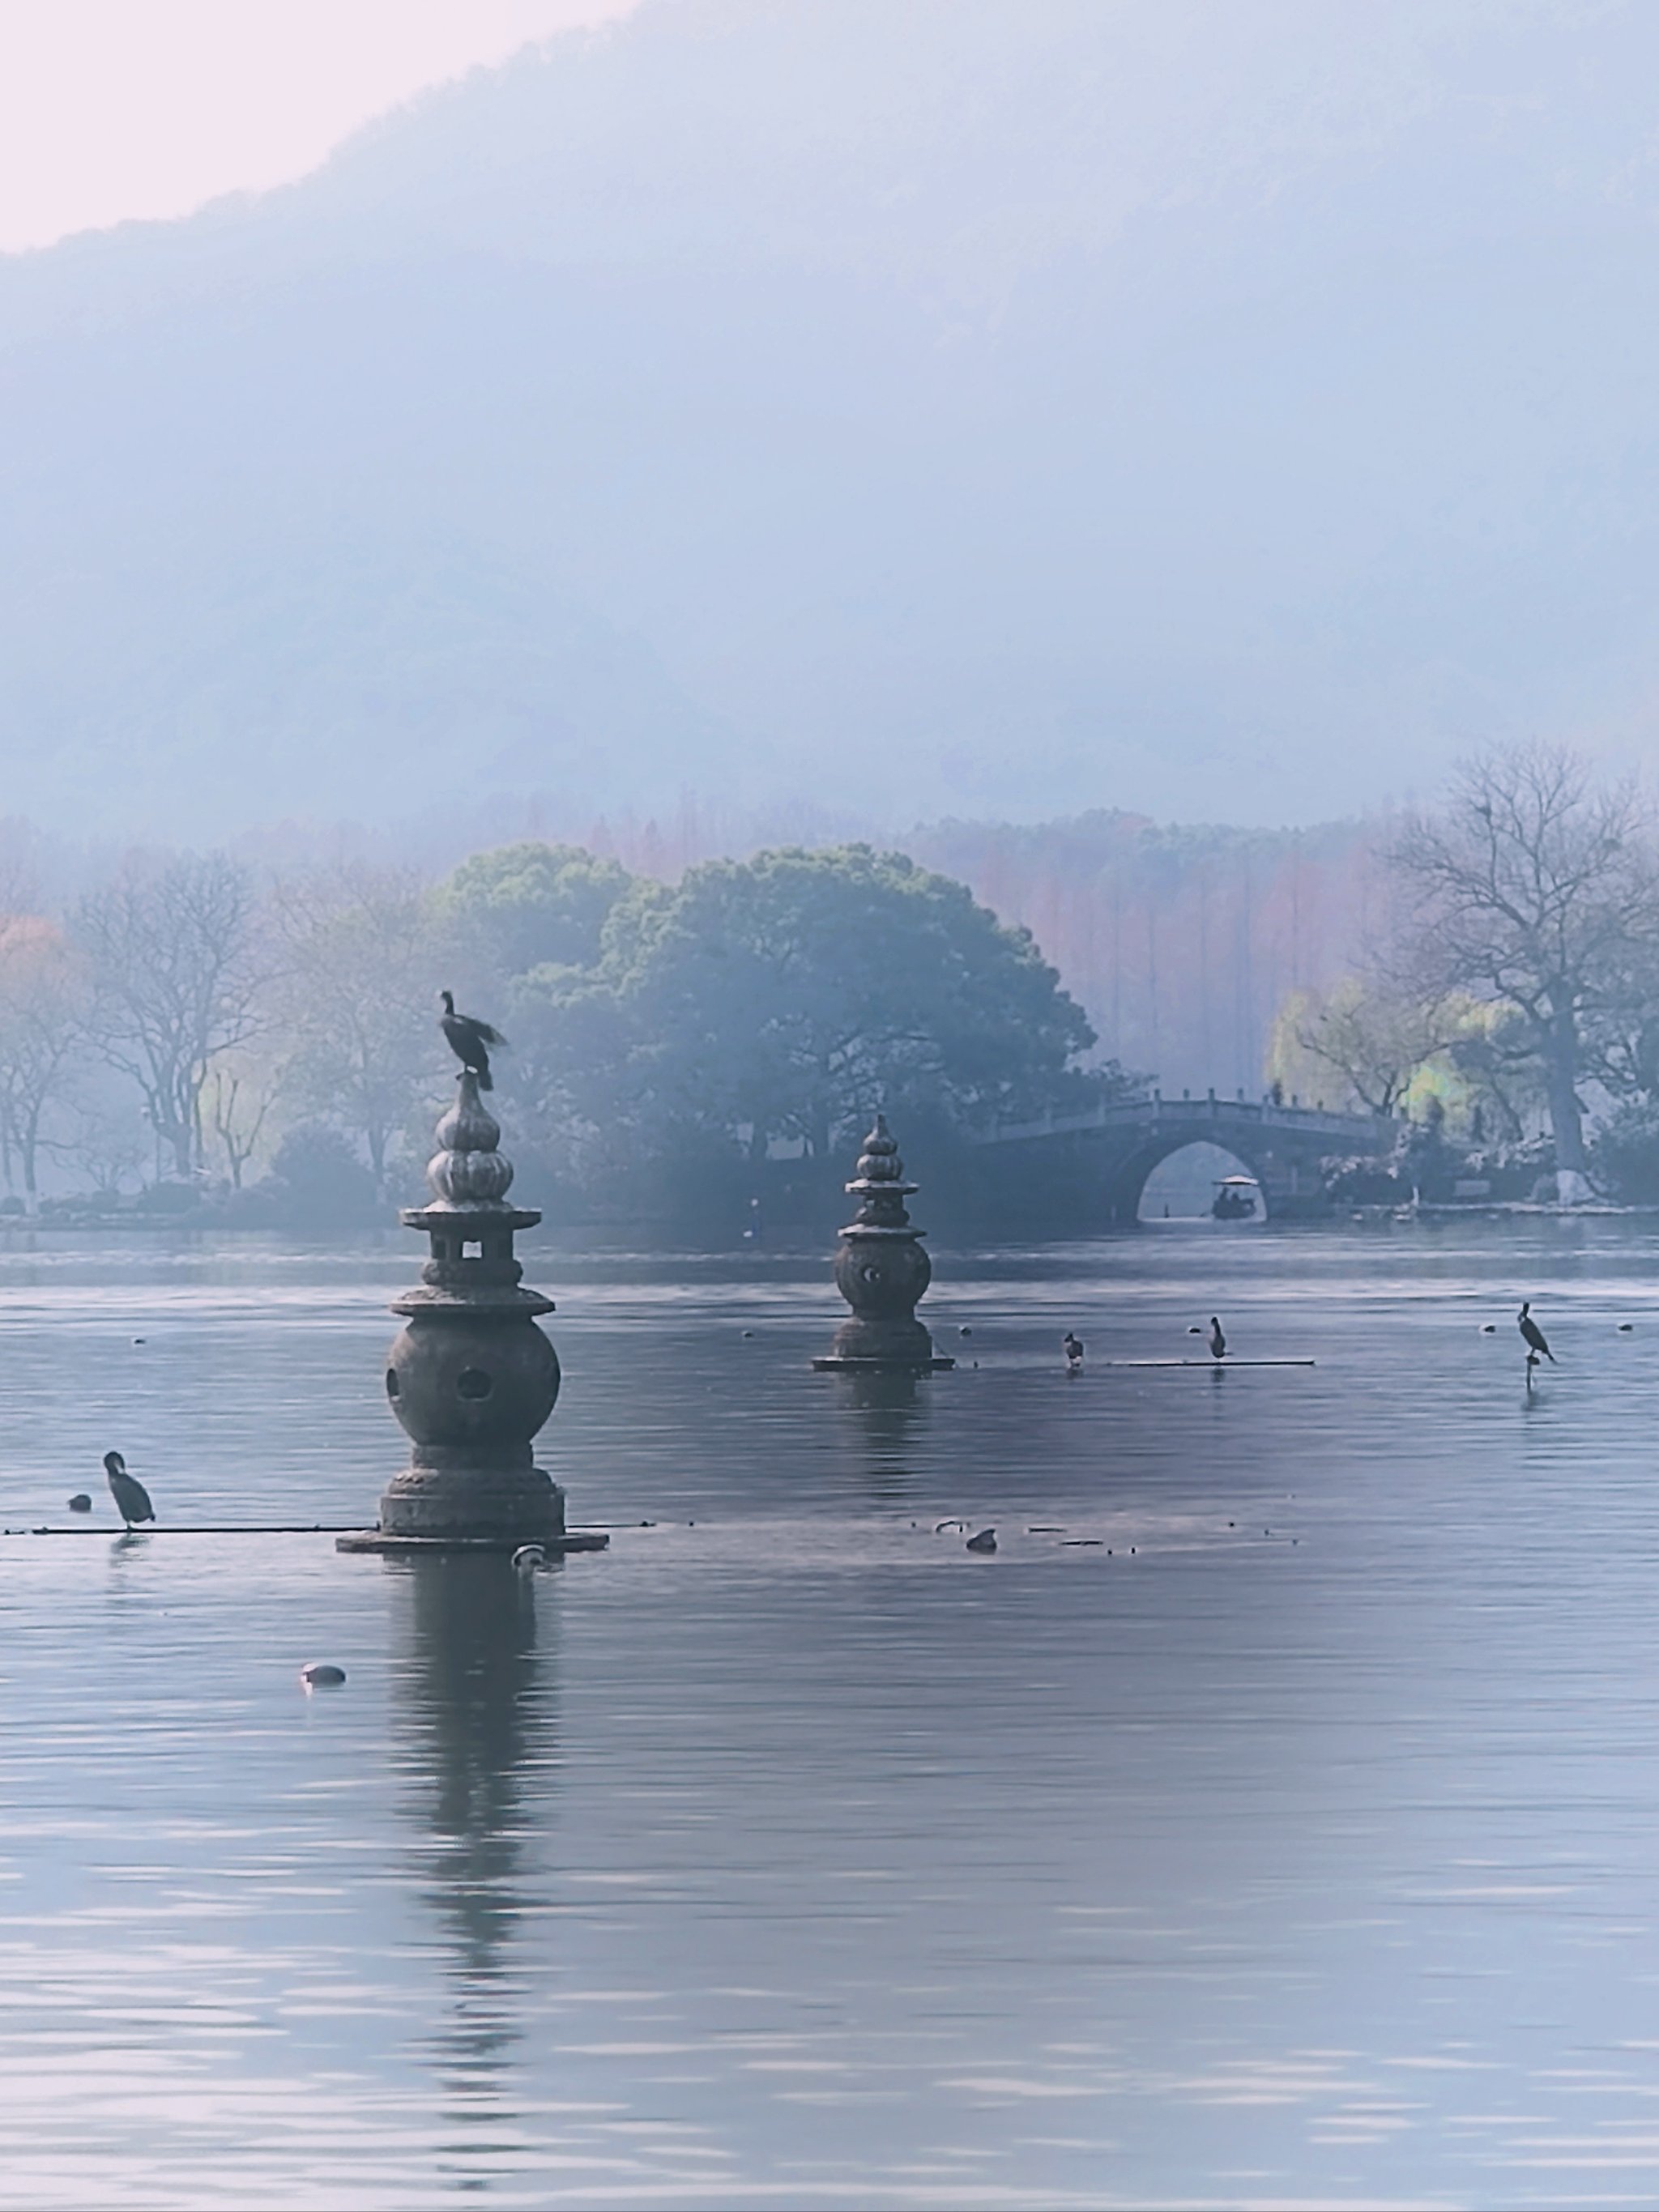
pixel 1182 944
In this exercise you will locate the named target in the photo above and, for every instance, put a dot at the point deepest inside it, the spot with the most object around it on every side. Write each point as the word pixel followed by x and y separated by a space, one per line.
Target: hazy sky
pixel 111 109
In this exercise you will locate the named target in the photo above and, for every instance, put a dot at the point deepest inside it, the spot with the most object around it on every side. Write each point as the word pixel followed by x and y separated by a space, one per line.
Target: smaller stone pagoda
pixel 882 1270
pixel 471 1377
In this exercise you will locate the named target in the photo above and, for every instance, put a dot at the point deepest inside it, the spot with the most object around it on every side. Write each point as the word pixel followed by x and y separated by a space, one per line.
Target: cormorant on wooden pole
pixel 132 1499
pixel 1533 1337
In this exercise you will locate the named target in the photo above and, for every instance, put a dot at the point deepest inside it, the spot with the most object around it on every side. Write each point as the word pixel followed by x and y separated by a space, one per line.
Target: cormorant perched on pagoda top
pixel 469 1039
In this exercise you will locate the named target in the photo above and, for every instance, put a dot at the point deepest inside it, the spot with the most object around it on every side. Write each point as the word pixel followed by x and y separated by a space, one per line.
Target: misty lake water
pixel 1274 1819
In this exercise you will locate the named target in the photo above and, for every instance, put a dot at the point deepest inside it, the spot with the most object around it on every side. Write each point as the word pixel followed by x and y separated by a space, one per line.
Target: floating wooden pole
pixel 574 1540
pixel 196 1528
pixel 1216 1364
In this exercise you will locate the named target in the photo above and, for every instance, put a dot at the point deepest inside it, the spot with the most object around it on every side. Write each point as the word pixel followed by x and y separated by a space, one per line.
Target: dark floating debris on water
pixel 1081 1543
pixel 985 1541
pixel 964 1330
pixel 749 1332
pixel 80 1502
pixel 318 1675
pixel 1048 1529
pixel 1489 1329
pixel 940 1526
pixel 1625 1327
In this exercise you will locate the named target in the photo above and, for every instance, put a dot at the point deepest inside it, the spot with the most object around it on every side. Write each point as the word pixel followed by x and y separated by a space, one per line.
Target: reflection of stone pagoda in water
pixel 882 1269
pixel 471 1377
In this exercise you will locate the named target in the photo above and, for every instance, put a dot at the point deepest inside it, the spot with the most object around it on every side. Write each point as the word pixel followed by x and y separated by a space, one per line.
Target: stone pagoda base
pixel 897 1348
pixel 830 1363
pixel 507 1504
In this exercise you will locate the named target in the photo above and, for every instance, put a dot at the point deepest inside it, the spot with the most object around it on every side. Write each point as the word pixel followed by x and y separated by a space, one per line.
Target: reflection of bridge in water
pixel 1105 1157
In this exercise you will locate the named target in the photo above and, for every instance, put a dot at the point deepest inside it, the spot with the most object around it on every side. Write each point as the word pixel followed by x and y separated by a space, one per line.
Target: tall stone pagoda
pixel 882 1270
pixel 471 1377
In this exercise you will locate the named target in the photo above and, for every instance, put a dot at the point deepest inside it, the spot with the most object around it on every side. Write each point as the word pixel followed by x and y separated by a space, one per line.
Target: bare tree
pixel 106 1135
pixel 238 1102
pixel 175 970
pixel 363 961
pixel 1375 1038
pixel 44 1004
pixel 1537 890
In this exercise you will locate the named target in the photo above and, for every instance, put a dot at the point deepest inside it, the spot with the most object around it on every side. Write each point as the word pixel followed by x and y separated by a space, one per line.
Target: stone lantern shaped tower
pixel 471 1377
pixel 882 1269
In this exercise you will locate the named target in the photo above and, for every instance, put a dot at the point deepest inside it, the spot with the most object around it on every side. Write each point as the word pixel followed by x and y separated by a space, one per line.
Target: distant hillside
pixel 902 407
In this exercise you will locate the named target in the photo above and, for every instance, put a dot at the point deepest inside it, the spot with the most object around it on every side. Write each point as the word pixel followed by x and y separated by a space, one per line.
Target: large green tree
pixel 784 997
pixel 532 905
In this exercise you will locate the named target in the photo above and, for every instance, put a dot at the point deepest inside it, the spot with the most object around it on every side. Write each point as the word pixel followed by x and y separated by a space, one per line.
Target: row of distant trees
pixel 189 1023
pixel 1515 987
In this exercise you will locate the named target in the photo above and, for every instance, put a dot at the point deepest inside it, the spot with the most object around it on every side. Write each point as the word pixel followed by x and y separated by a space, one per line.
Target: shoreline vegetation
pixel 193 1041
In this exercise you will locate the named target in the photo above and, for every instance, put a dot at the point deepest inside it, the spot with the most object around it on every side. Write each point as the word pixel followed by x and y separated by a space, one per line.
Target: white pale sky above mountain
pixel 112 110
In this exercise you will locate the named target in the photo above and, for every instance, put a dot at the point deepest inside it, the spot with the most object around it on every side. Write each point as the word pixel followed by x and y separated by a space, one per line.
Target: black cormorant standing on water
pixel 132 1499
pixel 1073 1349
pixel 469 1039
pixel 1531 1335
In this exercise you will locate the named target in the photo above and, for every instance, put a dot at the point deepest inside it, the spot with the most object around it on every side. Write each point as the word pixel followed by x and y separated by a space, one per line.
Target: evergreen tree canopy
pixel 785 997
pixel 535 905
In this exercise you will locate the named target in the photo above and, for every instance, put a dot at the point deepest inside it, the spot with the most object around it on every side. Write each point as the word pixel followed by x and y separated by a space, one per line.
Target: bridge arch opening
pixel 1183 1185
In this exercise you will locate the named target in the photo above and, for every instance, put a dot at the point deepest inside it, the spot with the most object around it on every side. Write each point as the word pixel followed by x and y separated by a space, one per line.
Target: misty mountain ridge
pixel 940 408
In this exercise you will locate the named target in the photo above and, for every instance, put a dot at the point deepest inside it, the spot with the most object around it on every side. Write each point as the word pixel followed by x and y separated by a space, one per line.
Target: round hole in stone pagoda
pixel 391 1382
pixel 473 1383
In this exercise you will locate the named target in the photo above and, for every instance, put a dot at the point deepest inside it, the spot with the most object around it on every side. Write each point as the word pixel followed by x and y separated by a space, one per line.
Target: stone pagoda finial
pixel 882 1269
pixel 469 1170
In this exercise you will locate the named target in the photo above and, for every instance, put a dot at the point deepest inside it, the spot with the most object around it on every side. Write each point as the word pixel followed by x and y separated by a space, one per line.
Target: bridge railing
pixel 1204 1114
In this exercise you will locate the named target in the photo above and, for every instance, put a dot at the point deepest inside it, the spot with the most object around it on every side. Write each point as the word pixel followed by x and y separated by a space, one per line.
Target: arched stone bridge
pixel 1105 1157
